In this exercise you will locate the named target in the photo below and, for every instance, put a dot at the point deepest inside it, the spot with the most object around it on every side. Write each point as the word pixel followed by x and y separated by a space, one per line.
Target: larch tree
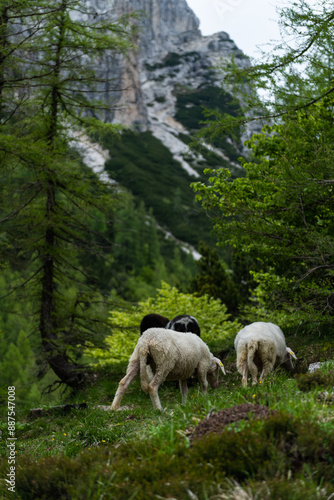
pixel 53 208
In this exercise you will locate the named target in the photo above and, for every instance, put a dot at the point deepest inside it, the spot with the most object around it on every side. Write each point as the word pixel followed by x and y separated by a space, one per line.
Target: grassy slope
pixel 139 453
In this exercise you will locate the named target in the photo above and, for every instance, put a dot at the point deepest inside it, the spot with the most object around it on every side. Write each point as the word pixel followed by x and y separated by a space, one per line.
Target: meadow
pixel 89 452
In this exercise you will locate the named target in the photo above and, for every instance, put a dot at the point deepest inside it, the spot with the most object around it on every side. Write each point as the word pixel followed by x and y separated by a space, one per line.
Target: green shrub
pixel 211 314
pixel 280 447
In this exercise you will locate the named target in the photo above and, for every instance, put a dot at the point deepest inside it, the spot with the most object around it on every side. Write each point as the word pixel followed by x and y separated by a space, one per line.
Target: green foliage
pixel 194 105
pixel 281 445
pixel 91 452
pixel 141 255
pixel 315 380
pixel 147 168
pixel 190 104
pixel 280 212
pixel 48 202
pixel 172 59
pixel 216 280
pixel 210 313
pixel 288 73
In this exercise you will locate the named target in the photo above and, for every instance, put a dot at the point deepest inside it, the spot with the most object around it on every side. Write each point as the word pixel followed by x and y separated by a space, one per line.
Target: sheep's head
pixel 213 373
pixel 287 362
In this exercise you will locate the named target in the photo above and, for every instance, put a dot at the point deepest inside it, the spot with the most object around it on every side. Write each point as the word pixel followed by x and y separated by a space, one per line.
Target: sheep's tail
pixel 144 381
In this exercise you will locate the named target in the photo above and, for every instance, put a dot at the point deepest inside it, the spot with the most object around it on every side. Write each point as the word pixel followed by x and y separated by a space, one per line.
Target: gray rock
pixel 172 54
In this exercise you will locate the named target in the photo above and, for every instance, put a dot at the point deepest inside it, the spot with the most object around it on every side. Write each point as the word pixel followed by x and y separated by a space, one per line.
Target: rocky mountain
pixel 165 84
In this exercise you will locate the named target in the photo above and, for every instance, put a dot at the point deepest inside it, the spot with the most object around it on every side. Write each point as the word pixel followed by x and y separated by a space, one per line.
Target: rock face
pixel 172 59
pixel 159 91
pixel 165 24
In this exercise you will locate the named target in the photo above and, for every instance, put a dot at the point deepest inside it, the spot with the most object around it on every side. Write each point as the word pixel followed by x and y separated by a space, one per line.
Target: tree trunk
pixel 3 44
pixel 69 373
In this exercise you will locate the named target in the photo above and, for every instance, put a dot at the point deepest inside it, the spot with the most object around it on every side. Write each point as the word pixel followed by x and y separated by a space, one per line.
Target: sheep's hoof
pixel 122 408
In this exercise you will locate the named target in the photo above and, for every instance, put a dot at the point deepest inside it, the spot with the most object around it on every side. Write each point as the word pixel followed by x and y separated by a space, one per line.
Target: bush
pixel 210 313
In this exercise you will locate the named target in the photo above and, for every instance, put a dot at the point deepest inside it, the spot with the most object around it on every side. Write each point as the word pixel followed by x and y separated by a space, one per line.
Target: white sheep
pixel 172 356
pixel 261 346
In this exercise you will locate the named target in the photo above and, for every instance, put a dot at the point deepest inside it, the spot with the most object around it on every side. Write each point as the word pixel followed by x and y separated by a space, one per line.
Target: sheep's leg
pixel 184 390
pixel 150 374
pixel 132 372
pixel 253 371
pixel 201 373
pixel 264 373
pixel 267 368
pixel 268 360
pixel 153 388
pixel 244 374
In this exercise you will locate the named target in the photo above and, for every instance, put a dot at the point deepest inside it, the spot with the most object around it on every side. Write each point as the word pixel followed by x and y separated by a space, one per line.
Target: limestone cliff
pixel 172 56
pixel 163 86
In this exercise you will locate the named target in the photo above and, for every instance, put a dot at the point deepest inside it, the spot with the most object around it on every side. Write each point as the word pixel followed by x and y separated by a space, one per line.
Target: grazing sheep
pixel 261 346
pixel 181 323
pixel 152 320
pixel 184 323
pixel 172 356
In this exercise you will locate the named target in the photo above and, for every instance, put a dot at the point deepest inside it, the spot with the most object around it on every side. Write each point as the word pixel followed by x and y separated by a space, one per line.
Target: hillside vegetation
pixel 139 453
pixel 142 164
pixel 83 260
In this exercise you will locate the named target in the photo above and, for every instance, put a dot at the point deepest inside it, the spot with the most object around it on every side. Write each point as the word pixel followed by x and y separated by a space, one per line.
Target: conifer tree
pixel 51 205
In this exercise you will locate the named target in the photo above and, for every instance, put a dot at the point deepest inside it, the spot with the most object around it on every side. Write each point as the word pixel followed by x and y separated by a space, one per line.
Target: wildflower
pixel 254 395
pixel 65 434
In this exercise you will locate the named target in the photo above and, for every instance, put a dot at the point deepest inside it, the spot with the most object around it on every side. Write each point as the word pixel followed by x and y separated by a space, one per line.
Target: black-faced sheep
pixel 172 356
pixel 184 323
pixel 151 321
pixel 261 347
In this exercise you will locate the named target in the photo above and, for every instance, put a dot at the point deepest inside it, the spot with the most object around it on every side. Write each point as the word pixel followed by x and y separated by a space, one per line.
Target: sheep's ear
pixel 290 351
pixel 220 364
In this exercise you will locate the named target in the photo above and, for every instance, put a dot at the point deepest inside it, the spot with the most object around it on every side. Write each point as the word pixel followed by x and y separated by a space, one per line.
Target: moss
pixel 315 380
pixel 279 446
pixel 278 489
